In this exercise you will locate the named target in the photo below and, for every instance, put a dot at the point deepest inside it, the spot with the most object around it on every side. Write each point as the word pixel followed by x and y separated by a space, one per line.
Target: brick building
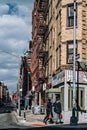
pixel 39 53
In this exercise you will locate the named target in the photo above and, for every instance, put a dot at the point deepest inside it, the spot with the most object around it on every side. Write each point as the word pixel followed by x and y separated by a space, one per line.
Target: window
pixel 71 16
pixel 59 23
pixel 50 65
pixel 81 99
pixel 70 52
pixel 62 97
pixel 58 57
pixel 70 98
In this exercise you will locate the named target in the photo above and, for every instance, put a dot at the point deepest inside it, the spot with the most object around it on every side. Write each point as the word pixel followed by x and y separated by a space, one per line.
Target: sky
pixel 15 34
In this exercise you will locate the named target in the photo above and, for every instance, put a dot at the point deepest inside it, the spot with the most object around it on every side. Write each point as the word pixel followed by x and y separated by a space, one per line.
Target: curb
pixel 21 121
pixel 14 117
pixel 17 118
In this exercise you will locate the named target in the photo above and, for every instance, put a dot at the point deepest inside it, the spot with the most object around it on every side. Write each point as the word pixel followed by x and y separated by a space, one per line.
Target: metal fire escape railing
pixel 41 33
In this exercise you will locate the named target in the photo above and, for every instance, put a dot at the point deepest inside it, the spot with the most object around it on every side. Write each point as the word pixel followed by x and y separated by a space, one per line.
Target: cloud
pixel 11 26
pixel 15 33
pixel 3 9
pixel 12 84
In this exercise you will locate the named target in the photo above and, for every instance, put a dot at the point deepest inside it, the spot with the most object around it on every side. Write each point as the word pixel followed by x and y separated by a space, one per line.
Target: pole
pixel 28 89
pixel 73 119
pixel 78 89
pixel 19 106
pixel 74 60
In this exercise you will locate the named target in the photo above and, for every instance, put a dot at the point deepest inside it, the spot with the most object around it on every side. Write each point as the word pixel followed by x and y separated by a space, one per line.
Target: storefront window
pixel 81 102
pixel 70 98
pixel 62 98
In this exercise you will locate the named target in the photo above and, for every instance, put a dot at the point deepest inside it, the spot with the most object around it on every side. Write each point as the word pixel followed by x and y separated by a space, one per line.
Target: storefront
pixel 62 84
pixel 52 93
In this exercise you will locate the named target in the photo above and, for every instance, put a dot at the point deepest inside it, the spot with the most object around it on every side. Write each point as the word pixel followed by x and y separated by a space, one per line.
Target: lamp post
pixel 73 119
pixel 28 92
pixel 78 89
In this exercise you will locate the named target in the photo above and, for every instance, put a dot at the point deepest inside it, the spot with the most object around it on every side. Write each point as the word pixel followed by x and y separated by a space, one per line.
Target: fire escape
pixel 42 28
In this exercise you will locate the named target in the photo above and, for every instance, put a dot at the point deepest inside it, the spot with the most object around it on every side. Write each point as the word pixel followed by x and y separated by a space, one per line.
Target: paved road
pixel 7 122
pixel 7 119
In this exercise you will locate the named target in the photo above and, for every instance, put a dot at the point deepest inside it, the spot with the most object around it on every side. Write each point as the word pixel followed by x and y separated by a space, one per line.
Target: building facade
pixel 39 53
pixel 54 33
pixel 4 93
pixel 24 81
pixel 60 47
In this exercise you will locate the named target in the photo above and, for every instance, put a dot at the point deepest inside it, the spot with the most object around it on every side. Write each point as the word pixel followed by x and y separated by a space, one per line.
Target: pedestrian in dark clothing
pixel 48 112
pixel 57 109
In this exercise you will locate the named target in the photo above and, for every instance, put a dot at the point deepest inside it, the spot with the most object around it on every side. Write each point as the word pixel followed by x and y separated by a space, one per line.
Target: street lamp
pixel 73 119
pixel 28 92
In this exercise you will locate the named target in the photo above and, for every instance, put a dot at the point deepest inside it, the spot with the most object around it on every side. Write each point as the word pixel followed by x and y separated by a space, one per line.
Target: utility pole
pixel 73 119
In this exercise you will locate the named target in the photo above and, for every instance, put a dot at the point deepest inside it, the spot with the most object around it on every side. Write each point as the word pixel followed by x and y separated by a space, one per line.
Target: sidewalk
pixel 30 119
pixel 33 120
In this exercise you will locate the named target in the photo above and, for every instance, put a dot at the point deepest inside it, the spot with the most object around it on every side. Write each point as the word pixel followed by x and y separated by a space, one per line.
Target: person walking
pixel 57 109
pixel 48 112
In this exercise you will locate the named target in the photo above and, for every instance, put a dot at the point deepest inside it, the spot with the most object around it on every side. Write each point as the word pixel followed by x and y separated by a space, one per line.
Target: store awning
pixel 52 90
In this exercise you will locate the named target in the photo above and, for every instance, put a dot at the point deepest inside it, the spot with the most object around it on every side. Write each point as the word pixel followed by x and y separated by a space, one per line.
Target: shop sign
pixel 59 78
pixel 82 76
pixel 54 80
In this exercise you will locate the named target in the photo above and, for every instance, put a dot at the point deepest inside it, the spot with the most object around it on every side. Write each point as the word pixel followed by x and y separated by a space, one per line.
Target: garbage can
pixel 37 110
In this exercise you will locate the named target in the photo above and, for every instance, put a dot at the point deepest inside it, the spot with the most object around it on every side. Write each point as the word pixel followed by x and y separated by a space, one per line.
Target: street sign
pixel 80 63
pixel 77 56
